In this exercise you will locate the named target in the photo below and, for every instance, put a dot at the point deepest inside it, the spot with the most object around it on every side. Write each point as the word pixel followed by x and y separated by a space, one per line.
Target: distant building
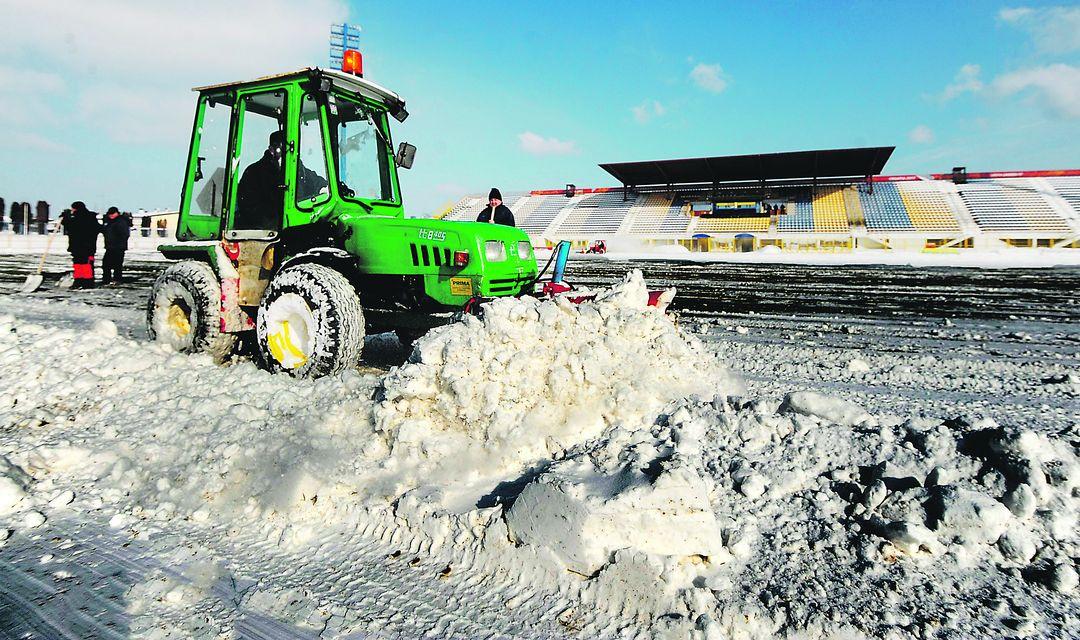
pixel 160 224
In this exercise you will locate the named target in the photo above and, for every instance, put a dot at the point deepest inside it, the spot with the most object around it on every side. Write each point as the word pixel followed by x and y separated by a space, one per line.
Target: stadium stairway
pixel 853 205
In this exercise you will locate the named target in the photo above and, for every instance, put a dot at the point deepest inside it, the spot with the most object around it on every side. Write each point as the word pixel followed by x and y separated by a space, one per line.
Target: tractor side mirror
pixel 406 153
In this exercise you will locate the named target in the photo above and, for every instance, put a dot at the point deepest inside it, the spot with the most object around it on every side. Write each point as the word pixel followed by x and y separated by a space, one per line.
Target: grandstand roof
pixel 825 163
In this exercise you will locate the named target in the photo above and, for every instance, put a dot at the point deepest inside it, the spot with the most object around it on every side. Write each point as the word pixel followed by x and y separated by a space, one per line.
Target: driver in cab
pixel 260 201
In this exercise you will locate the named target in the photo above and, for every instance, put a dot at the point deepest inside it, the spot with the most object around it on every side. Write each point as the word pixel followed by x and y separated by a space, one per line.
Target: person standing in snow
pixel 496 212
pixel 82 229
pixel 117 230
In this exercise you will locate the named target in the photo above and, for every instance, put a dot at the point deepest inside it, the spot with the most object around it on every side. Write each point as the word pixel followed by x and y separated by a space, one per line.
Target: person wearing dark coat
pixel 117 230
pixel 260 199
pixel 82 228
pixel 502 213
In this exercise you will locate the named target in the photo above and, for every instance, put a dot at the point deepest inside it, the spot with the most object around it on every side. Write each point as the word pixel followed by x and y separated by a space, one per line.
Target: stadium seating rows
pixel 927 208
pixel 884 210
pixel 601 213
pixel 730 224
pixel 655 215
pixel 1069 190
pixel 1006 205
pixel 830 214
pixel 1010 206
pixel 549 207
pixel 799 217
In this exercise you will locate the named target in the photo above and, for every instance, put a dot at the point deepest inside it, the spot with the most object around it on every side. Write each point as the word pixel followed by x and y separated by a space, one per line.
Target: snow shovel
pixel 33 281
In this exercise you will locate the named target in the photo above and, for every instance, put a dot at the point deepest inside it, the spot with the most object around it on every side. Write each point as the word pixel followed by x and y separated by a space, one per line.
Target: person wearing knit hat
pixel 82 228
pixel 117 230
pixel 496 212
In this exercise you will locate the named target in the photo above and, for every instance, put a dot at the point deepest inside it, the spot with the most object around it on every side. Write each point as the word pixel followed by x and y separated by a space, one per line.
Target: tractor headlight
pixel 494 251
pixel 524 249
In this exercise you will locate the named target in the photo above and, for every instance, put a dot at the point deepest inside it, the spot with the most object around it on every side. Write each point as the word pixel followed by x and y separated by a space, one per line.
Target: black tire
pixel 328 334
pixel 184 311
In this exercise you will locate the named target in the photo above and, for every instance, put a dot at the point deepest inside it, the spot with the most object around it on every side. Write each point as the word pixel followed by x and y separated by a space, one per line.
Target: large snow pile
pixel 590 454
pixel 533 377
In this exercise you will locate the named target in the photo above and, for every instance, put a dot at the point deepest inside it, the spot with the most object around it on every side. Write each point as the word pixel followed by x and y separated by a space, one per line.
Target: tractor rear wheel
pixel 310 322
pixel 184 311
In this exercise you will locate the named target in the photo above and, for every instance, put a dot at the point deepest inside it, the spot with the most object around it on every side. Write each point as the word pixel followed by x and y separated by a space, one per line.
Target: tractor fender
pixel 332 257
pixel 337 259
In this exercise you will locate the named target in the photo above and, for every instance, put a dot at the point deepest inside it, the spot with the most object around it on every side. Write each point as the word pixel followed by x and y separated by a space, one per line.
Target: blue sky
pixel 94 99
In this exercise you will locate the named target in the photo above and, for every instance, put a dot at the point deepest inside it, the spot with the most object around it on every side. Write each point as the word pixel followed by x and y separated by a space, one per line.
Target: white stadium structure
pixel 830 200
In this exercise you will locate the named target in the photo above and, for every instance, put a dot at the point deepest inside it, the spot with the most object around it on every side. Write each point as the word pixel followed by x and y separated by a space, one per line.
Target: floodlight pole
pixel 26 218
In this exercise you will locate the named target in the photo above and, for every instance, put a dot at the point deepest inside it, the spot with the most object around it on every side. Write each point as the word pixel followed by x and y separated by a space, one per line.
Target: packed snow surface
pixel 594 470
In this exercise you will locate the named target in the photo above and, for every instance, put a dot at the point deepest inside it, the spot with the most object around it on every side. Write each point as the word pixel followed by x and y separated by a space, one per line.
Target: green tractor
pixel 292 232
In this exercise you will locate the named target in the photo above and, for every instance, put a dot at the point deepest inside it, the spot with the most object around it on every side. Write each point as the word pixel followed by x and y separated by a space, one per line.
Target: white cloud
pixel 138 115
pixel 27 80
pixel 541 146
pixel 921 134
pixel 24 96
pixel 1052 29
pixel 1055 87
pixel 198 38
pixel 126 67
pixel 966 81
pixel 30 141
pixel 647 111
pixel 709 77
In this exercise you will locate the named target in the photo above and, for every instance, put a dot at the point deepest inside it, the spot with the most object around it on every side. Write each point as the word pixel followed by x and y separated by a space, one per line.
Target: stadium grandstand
pixel 825 200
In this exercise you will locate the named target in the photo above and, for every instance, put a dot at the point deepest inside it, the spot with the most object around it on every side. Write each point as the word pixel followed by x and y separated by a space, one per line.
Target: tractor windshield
pixel 362 152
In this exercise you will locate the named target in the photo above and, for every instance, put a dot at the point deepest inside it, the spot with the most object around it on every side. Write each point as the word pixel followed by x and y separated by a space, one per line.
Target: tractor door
pixel 202 201
pixel 256 201
pixel 259 178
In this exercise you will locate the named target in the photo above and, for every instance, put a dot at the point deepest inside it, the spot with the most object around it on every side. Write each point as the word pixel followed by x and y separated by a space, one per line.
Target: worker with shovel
pixel 496 212
pixel 82 229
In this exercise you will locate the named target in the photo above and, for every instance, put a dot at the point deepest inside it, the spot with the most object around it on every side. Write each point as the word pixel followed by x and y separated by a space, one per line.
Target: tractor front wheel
pixel 184 311
pixel 310 322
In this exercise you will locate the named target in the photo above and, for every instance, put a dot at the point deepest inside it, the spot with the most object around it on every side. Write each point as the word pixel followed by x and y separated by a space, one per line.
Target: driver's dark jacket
pixel 260 198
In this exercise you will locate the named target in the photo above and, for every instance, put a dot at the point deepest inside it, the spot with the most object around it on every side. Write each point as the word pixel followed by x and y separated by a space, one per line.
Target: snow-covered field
pixel 904 468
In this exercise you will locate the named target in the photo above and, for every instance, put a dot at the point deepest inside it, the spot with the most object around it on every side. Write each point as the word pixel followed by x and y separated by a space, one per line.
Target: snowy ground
pixel 894 456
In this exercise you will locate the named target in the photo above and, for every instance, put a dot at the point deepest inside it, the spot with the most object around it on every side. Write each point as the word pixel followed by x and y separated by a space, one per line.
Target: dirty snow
pixel 548 470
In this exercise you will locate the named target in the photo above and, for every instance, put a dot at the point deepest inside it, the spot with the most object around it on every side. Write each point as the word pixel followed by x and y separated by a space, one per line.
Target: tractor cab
pixel 292 230
pixel 285 151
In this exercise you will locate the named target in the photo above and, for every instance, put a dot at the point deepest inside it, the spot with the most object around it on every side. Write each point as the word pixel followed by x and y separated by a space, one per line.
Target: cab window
pixel 210 158
pixel 311 166
pixel 361 152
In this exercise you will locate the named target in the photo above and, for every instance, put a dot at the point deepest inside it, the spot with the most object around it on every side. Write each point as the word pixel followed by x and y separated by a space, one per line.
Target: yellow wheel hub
pixel 178 320
pixel 284 349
